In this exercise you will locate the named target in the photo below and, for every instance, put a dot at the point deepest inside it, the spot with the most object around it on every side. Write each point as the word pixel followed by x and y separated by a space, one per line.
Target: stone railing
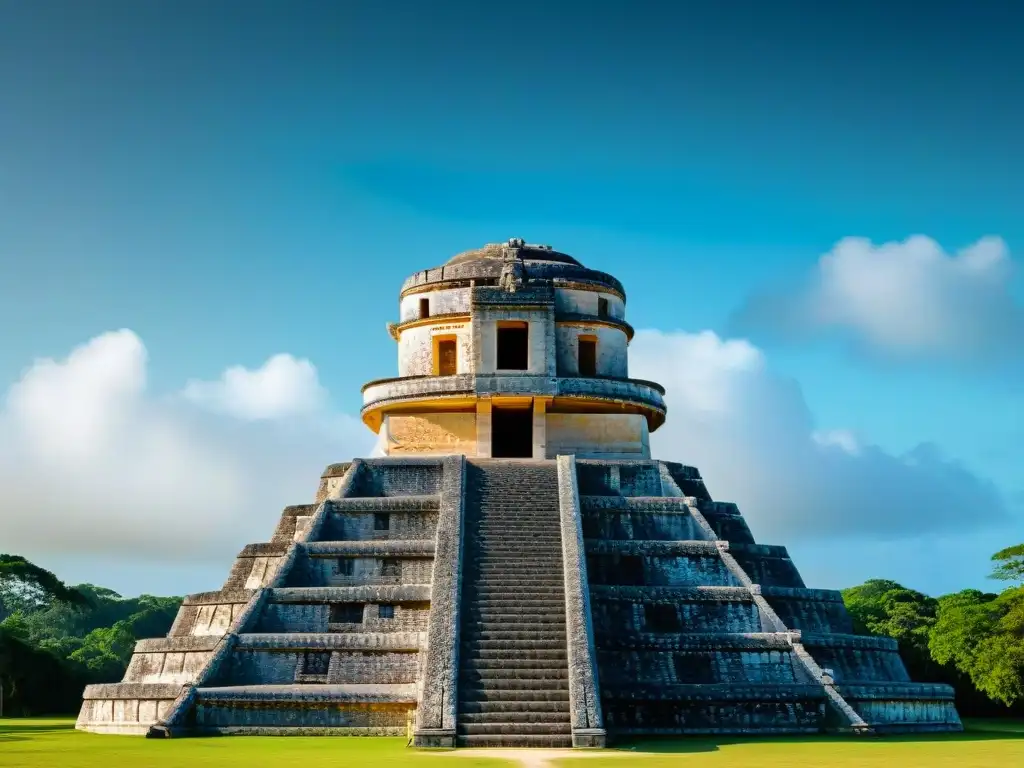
pixel 437 709
pixel 634 391
pixel 584 689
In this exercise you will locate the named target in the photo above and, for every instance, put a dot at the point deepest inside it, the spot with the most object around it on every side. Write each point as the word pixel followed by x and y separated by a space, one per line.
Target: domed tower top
pixel 513 350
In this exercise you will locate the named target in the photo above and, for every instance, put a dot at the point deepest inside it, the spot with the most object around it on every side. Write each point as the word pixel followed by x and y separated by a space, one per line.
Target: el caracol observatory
pixel 512 568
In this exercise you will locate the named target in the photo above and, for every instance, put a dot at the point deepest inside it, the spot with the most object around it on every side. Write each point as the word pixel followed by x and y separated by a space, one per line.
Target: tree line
pixel 971 639
pixel 55 639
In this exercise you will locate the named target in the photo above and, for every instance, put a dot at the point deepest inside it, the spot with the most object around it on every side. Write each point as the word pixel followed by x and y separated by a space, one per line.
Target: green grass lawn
pixel 54 743
pixel 985 744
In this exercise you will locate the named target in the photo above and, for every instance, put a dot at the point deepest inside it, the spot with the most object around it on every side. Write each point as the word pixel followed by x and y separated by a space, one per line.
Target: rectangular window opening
pixel 391 568
pixel 424 308
pixel 513 347
pixel 381 521
pixel 316 663
pixel 345 566
pixel 386 612
pixel 630 571
pixel 587 350
pixel 602 308
pixel 661 617
pixel 694 668
pixel 447 360
pixel 347 613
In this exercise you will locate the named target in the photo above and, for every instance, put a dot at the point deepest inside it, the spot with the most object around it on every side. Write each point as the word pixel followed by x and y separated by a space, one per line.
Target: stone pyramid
pixel 514 569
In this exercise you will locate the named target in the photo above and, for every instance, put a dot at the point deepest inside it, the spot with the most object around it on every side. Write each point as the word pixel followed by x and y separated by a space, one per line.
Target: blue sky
pixel 235 180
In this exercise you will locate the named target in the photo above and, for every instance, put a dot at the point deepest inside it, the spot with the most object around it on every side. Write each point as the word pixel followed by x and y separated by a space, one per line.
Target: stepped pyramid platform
pixel 512 568
pixel 488 602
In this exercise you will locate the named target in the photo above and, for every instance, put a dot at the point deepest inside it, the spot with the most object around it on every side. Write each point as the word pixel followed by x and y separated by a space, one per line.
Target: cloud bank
pixel 94 466
pixel 905 299
pixel 92 463
pixel 753 438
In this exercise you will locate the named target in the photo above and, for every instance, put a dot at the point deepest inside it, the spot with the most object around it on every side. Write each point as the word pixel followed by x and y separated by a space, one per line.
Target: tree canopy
pixel 1009 563
pixel 54 639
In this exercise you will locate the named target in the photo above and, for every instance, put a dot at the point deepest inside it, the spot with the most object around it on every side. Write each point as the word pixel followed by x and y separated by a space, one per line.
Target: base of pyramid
pixel 514 603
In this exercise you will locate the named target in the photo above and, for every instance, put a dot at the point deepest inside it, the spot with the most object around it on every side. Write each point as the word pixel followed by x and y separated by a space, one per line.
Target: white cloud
pixel 96 470
pixel 93 465
pixel 283 387
pixel 904 299
pixel 752 436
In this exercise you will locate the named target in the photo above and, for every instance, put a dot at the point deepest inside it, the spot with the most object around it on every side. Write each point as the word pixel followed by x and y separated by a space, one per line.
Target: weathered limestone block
pixel 432 434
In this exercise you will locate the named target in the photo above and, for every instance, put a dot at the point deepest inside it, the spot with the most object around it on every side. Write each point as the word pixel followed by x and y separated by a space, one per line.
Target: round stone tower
pixel 513 351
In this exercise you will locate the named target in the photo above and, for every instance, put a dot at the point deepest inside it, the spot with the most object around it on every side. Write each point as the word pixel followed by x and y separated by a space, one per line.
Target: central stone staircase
pixel 514 677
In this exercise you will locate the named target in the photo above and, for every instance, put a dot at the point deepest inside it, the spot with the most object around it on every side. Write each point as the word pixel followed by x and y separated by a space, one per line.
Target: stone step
pixel 515 684
pixel 515 594
pixel 499 675
pixel 526 623
pixel 540 566
pixel 539 552
pixel 513 603
pixel 514 741
pixel 514 662
pixel 515 728
pixel 512 566
pixel 484 611
pixel 514 639
pixel 500 655
pixel 512 599
pixel 497 716
pixel 528 642
pixel 498 709
pixel 477 695
pixel 535 584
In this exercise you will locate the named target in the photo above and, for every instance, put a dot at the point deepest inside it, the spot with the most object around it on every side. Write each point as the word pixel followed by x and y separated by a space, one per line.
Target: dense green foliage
pixel 972 640
pixel 55 639
pixel 1009 563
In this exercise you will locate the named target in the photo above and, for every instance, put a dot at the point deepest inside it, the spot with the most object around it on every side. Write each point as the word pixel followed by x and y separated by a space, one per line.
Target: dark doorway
pixel 513 347
pixel 512 433
pixel 588 357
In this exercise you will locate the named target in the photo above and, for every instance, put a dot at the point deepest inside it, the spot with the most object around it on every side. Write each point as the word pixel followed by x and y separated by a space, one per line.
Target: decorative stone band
pixel 372 548
pixel 373 593
pixel 650 548
pixel 691 641
pixel 395 329
pixel 332 641
pixel 437 708
pixel 184 644
pixel 607 322
pixel 584 688
pixel 647 396
pixel 487 271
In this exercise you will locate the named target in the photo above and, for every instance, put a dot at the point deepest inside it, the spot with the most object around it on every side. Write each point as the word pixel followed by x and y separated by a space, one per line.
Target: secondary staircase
pixel 514 677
